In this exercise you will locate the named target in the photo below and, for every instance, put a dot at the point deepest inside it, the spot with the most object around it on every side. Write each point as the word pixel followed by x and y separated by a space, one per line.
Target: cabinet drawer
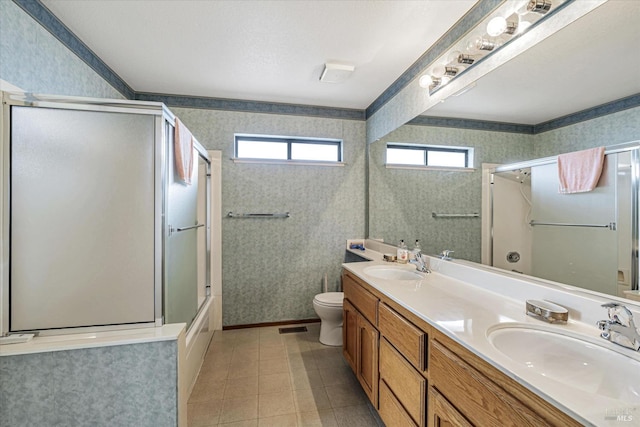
pixel 391 411
pixel 409 340
pixel 474 395
pixel 442 413
pixel 363 300
pixel 407 385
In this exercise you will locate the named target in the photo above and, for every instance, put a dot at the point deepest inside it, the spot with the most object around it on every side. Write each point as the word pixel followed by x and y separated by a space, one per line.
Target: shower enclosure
pixel 586 239
pixel 97 233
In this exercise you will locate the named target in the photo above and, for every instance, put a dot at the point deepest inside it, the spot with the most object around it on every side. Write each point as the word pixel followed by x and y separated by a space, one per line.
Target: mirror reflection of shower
pixel 511 217
pixel 584 239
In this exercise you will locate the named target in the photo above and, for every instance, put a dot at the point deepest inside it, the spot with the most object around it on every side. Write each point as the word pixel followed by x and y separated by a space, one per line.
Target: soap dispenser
pixel 402 253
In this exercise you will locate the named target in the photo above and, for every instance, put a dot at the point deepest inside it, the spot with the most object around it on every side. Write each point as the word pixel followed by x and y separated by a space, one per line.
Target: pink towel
pixel 580 171
pixel 183 149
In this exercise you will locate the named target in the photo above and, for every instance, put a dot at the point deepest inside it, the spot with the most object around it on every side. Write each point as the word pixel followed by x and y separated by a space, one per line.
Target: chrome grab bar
pixel 176 230
pixel 610 226
pixel 190 227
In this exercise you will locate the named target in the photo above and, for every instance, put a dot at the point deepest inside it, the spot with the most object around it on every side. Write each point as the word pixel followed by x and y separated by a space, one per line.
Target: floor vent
pixel 293 330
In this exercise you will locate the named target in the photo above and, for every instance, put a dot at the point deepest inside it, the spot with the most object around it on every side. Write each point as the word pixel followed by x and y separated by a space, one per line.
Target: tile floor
pixel 258 377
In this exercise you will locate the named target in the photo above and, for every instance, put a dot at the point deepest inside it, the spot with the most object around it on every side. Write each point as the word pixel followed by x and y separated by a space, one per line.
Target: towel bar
pixel 610 226
pixel 259 215
pixel 440 215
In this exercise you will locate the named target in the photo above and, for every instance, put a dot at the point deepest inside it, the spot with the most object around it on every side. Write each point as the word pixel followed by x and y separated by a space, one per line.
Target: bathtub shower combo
pixel 100 233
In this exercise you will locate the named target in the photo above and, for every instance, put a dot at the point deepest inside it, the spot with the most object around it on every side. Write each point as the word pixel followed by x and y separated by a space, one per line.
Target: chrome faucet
pixel 420 265
pixel 446 254
pixel 620 328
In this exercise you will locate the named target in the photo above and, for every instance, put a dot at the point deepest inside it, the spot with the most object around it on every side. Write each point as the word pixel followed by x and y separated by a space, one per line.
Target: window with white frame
pixel 429 156
pixel 270 148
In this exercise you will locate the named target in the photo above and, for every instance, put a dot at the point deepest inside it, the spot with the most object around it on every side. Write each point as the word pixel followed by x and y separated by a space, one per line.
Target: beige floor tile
pixel 242 346
pixel 296 346
pixel 289 420
pixel 271 341
pixel 274 383
pixel 273 352
pixel 204 390
pixel 240 409
pixel 270 405
pixel 340 374
pixel 204 413
pixel 323 418
pixel 243 369
pixel 303 360
pixel 213 373
pixel 243 356
pixel 245 423
pixel 217 361
pixel 273 366
pixel 342 395
pixel 306 379
pixel 355 416
pixel 241 387
pixel 310 400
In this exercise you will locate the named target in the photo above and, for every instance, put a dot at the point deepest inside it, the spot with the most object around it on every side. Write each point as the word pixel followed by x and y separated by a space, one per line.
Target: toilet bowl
pixel 328 307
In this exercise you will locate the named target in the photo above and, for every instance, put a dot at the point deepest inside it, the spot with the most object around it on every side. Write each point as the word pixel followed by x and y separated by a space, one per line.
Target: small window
pixel 288 149
pixel 429 156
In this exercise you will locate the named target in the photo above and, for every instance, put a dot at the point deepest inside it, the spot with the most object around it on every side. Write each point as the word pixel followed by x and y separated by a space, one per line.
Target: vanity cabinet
pixel 388 356
pixel 480 394
pixel 360 337
pixel 417 376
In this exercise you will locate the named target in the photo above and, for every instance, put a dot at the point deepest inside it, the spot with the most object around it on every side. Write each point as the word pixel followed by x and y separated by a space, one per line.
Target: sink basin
pixel 571 360
pixel 392 273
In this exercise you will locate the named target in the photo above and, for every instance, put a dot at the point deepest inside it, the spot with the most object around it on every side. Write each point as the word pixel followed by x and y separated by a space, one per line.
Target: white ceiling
pixel 593 61
pixel 265 50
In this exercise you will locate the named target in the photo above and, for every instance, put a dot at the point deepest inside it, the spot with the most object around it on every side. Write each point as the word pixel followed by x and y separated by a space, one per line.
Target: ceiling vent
pixel 336 73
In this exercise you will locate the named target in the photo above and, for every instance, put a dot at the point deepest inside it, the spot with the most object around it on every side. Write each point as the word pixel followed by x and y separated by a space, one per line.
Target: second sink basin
pixel 392 273
pixel 570 360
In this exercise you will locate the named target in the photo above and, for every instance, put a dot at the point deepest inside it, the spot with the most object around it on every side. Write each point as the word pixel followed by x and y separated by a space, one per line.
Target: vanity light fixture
pixel 509 21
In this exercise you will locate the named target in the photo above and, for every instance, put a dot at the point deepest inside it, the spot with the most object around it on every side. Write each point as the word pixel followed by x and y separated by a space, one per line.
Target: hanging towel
pixel 580 171
pixel 183 149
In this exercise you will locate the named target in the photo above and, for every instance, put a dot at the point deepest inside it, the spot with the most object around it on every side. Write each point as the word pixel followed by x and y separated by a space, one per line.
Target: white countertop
pixel 466 310
pixel 94 339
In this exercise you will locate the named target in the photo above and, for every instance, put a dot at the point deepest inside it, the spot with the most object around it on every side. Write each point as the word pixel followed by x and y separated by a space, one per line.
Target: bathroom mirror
pixel 549 92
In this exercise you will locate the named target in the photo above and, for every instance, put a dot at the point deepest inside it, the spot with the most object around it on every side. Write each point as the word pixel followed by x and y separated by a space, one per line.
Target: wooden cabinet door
pixel 367 359
pixel 442 413
pixel 350 334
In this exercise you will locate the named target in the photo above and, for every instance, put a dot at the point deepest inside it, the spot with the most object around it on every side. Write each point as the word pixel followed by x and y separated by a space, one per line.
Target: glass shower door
pixel 181 258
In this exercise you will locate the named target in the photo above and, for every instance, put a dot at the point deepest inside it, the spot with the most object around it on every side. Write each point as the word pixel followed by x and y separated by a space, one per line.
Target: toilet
pixel 328 307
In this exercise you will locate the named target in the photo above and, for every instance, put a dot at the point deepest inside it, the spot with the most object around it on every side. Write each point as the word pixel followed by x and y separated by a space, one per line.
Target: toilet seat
pixel 329 299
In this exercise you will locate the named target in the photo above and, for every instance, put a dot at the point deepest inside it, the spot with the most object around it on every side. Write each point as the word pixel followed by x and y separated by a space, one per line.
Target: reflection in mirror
pixel 552 99
pixel 581 239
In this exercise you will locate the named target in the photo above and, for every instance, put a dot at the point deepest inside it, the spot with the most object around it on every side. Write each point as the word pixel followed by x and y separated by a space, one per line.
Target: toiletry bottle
pixel 402 253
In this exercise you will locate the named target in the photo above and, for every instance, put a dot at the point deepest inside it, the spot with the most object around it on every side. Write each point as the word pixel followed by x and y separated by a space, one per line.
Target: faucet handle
pixel 446 253
pixel 619 313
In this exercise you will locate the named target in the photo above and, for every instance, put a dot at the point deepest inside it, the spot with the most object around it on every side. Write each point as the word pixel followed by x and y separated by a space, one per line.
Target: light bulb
pixel 497 26
pixel 444 80
pixel 438 71
pixel 453 56
pixel 425 81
